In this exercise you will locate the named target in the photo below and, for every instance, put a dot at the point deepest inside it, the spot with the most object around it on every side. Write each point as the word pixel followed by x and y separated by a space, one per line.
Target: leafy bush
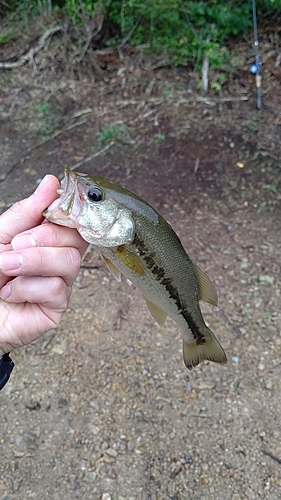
pixel 186 29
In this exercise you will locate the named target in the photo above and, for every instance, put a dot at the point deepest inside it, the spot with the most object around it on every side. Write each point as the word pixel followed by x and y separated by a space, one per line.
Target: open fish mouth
pixel 66 209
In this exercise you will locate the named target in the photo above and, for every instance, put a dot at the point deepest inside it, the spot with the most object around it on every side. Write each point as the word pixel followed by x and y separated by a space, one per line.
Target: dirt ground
pixel 103 407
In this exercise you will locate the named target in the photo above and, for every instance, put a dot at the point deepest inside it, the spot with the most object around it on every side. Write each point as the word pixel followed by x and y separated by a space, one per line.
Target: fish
pixel 137 242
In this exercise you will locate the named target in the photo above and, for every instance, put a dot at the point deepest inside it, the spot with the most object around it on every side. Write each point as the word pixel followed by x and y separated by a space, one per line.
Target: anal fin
pixel 158 314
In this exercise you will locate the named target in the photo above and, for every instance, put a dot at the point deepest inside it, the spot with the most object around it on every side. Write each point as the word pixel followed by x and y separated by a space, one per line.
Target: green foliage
pixel 111 132
pixel 186 29
pixel 77 9
pixel 6 35
pixel 45 118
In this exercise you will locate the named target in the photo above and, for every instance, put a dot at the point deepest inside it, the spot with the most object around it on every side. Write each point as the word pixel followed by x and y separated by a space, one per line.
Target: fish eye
pixel 95 194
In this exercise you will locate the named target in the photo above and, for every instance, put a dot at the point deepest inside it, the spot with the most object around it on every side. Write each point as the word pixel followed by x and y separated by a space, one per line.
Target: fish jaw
pixel 66 209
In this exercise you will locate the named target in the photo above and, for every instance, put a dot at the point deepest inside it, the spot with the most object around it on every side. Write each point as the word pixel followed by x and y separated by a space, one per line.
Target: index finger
pixel 27 213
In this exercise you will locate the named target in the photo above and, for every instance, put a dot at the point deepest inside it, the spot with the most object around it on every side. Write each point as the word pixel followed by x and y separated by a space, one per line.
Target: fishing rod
pixel 256 67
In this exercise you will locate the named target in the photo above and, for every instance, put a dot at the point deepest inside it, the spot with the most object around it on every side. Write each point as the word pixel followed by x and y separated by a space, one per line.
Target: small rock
pixel 72 478
pixel 106 496
pixel 130 445
pixel 94 429
pixel 265 279
pixel 128 352
pixel 261 367
pixel 90 477
pixel 187 459
pixel 111 452
pixel 268 385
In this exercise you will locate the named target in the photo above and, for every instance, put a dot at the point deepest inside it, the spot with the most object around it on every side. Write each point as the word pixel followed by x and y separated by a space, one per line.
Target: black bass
pixel 137 242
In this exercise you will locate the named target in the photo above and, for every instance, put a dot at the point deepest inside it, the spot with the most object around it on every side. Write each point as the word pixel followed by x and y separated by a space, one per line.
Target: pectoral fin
pixel 207 290
pixel 130 260
pixel 158 314
pixel 112 268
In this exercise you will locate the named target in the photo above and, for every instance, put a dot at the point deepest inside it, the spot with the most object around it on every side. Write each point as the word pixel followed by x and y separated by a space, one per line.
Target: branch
pixel 31 53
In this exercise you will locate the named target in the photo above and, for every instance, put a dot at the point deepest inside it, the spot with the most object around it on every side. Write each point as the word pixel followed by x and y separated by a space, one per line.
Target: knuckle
pixel 74 260
pixel 57 286
pixel 52 234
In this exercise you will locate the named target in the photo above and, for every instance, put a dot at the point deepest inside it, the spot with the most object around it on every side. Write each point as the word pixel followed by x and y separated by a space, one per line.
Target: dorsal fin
pixel 158 314
pixel 207 290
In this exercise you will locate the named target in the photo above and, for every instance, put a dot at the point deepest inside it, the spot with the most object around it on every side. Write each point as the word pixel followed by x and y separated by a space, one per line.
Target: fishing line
pixel 256 67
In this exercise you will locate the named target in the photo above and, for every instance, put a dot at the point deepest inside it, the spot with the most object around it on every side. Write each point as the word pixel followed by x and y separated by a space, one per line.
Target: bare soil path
pixel 104 408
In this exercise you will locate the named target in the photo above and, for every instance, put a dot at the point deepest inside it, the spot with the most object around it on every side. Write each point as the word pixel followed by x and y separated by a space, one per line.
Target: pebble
pixel 130 445
pixel 111 452
pixel 106 496
pixel 268 385
pixel 265 279
pixel 90 476
pixel 94 429
pixel 187 459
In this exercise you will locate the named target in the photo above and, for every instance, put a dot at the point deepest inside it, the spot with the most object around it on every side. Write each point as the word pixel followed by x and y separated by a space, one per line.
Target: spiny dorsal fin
pixel 112 268
pixel 207 290
pixel 158 314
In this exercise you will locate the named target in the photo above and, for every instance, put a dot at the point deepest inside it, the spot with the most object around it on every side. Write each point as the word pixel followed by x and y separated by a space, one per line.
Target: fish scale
pixel 136 241
pixel 172 283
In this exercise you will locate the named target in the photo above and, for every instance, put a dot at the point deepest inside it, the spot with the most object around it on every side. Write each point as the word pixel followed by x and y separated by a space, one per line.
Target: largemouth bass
pixel 136 241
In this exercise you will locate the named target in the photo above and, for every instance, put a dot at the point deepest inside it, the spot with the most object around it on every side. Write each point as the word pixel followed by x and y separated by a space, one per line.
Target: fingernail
pixel 10 261
pixel 23 241
pixel 5 291
pixel 42 184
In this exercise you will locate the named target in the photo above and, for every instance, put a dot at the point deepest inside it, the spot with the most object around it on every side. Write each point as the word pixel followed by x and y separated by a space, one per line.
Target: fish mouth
pixel 66 209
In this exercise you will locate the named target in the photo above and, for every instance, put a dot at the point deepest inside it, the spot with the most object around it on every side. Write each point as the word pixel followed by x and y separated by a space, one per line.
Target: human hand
pixel 38 265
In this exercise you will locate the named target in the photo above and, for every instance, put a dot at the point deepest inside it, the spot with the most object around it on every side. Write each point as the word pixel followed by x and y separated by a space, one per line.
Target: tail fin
pixel 210 350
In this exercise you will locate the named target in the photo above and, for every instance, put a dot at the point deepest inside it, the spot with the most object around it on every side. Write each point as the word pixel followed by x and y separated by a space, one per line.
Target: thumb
pixel 27 213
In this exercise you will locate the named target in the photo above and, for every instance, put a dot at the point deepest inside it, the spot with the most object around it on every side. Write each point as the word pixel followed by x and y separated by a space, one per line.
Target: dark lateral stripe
pixel 159 273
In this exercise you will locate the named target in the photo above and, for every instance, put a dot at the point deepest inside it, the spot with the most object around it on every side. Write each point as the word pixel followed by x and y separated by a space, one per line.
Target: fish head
pixel 86 203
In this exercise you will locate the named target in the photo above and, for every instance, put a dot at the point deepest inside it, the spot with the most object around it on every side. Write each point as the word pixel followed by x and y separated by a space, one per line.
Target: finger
pixel 41 261
pixel 50 235
pixel 27 213
pixel 51 292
